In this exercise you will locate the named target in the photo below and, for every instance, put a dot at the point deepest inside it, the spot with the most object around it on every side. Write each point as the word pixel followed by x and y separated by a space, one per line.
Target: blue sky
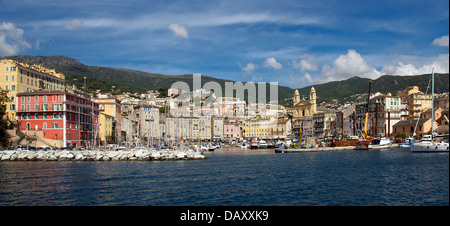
pixel 294 43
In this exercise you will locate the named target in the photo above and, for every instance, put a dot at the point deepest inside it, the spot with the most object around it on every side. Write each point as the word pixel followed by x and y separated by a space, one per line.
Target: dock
pixel 318 149
pixel 321 149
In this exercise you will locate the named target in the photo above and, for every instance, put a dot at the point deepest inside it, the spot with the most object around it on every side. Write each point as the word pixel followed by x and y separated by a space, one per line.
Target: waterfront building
pixel 306 127
pixel 149 129
pixel 232 130
pixel 283 129
pixel 106 130
pixel 407 127
pixel 303 108
pixel 110 105
pixel 415 101
pixel 217 128
pixel 57 118
pixel 324 124
pixel 384 112
pixel 17 77
pixel 128 122
pixel 345 126
pixel 188 128
pixel 259 127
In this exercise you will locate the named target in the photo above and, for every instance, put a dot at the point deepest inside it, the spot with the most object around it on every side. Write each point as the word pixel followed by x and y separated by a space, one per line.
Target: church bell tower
pixel 312 99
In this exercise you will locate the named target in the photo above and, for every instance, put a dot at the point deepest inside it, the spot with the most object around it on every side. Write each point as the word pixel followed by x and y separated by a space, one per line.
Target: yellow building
pixel 415 100
pixel 106 127
pixel 259 127
pixel 110 105
pixel 18 77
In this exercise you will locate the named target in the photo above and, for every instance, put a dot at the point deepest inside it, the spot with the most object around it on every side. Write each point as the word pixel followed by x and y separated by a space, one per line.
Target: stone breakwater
pixel 92 155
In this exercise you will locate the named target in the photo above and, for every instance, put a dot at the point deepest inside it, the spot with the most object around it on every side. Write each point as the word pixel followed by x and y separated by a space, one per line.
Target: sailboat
pixel 427 143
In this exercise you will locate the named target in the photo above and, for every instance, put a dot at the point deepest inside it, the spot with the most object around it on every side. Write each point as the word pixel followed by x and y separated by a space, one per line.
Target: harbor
pixel 231 176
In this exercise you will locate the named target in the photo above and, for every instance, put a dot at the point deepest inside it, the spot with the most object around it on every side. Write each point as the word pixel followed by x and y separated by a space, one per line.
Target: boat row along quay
pixel 321 149
pixel 99 155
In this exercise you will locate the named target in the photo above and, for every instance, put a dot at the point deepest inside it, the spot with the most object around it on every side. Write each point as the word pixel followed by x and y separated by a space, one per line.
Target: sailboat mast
pixel 432 101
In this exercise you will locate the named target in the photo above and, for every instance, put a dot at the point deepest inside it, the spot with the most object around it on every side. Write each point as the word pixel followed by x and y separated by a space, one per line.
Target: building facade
pixel 60 118
pixel 302 109
pixel 259 127
pixel 232 130
pixel 415 101
pixel 18 77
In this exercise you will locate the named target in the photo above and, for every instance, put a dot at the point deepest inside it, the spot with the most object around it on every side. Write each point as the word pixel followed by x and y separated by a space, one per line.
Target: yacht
pixel 262 144
pixel 427 143
pixel 380 143
pixel 254 144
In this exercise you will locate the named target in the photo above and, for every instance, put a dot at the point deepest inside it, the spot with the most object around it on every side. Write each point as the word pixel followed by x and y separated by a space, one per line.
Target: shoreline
pixel 99 155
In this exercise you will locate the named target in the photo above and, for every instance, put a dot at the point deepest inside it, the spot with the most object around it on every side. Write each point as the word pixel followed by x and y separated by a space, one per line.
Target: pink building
pixel 232 130
pixel 61 118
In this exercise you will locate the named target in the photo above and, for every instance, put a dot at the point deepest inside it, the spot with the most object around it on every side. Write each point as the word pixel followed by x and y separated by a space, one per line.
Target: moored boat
pixel 380 143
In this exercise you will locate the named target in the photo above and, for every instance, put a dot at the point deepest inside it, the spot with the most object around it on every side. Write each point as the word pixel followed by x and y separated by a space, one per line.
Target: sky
pixel 295 43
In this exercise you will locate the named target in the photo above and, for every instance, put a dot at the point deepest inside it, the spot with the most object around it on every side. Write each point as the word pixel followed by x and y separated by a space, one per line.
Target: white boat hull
pixel 429 147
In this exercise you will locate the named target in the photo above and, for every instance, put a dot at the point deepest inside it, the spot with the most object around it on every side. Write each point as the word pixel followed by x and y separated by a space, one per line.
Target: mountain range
pixel 117 80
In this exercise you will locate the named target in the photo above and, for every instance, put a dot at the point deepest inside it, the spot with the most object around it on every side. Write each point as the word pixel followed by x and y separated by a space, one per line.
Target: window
pixel 55 125
pixel 36 99
pixel 44 116
pixel 44 126
pixel 13 88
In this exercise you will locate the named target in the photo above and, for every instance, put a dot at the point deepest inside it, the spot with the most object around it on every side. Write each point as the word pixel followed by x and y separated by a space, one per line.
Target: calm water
pixel 236 177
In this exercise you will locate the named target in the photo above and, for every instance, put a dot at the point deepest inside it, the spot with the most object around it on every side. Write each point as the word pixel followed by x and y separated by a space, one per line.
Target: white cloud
pixel 178 30
pixel 74 24
pixel 439 63
pixel 347 66
pixel 249 68
pixel 272 63
pixel 306 64
pixel 442 41
pixel 11 39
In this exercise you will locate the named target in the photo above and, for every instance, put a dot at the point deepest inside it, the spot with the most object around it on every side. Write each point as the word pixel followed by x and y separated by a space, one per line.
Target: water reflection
pixel 232 176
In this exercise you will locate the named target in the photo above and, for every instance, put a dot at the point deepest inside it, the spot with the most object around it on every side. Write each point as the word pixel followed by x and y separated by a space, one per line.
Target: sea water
pixel 235 177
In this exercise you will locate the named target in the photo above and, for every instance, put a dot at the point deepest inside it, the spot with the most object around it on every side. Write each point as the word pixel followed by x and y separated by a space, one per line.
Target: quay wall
pixel 320 149
pixel 98 155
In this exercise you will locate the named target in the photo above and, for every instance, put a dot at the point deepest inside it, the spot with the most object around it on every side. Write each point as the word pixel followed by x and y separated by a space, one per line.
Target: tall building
pixel 384 112
pixel 110 106
pixel 18 77
pixel 105 128
pixel 58 118
pixel 415 101
pixel 302 109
